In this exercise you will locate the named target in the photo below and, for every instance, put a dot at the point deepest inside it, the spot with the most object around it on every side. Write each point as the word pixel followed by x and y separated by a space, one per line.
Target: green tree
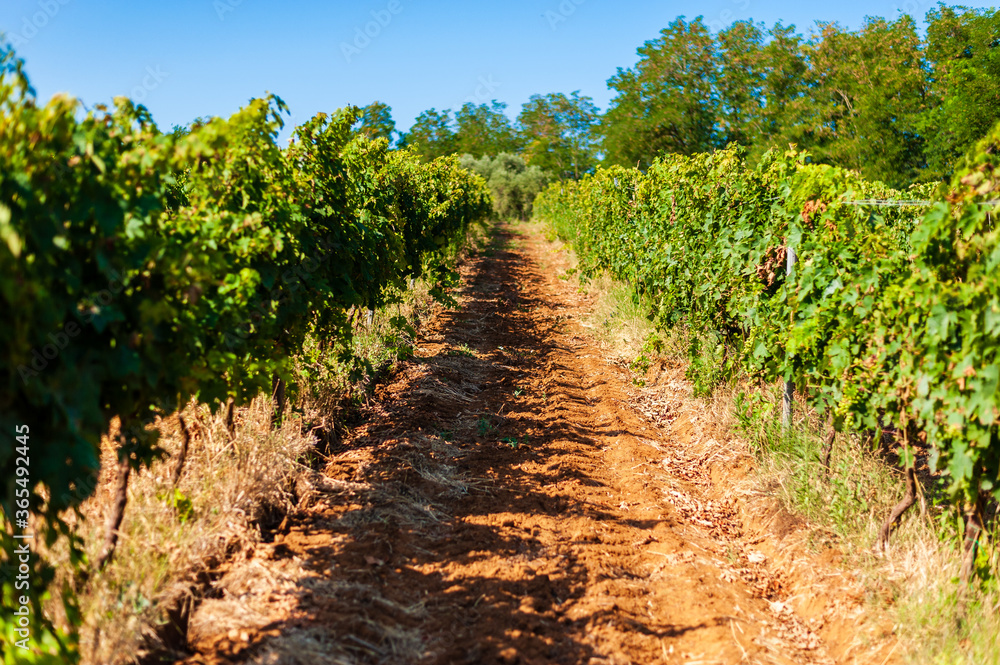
pixel 431 135
pixel 963 53
pixel 376 121
pixel 558 135
pixel 666 102
pixel 786 102
pixel 485 129
pixel 740 82
pixel 761 83
pixel 512 182
pixel 868 93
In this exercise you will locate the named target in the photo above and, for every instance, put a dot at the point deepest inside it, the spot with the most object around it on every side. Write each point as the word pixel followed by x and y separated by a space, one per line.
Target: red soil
pixel 513 497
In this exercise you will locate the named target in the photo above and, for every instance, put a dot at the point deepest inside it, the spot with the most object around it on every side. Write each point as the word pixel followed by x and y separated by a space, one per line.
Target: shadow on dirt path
pixel 503 502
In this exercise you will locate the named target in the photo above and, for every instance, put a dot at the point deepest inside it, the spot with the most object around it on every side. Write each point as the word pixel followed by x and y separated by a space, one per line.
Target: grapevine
pixel 143 269
pixel 891 316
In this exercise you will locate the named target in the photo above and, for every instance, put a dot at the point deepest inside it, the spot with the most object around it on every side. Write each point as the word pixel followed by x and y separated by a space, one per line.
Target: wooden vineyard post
pixel 185 446
pixel 786 400
pixel 117 514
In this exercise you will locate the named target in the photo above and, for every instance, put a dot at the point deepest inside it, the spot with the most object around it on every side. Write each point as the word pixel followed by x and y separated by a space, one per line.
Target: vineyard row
pixel 142 269
pixel 889 322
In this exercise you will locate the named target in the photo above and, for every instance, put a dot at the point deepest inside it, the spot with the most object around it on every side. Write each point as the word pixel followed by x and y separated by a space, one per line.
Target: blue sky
pixel 189 58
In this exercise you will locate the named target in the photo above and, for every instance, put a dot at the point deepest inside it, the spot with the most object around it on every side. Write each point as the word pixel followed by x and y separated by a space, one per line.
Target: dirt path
pixel 513 498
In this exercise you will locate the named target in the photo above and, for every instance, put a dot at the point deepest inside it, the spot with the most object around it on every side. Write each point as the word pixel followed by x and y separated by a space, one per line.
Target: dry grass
pixel 234 488
pixel 914 586
pixel 617 315
pixel 915 583
pixel 617 318
pixel 245 605
pixel 176 541
pixel 399 484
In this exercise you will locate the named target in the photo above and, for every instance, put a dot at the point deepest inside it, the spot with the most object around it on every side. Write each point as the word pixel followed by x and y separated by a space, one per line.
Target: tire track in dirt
pixel 509 499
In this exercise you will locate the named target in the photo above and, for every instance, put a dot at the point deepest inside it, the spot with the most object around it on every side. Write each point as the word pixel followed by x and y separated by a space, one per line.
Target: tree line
pixel 897 105
pixel 553 132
